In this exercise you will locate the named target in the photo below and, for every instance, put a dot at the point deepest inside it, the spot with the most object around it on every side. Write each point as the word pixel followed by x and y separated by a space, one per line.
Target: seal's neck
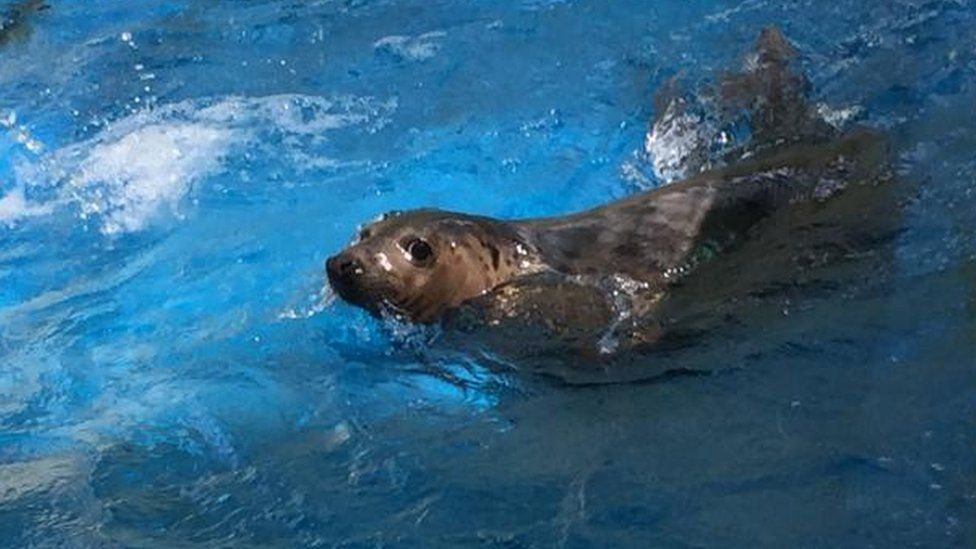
pixel 495 252
pixel 511 252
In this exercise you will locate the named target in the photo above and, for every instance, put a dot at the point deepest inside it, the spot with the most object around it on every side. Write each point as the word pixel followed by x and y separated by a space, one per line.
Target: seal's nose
pixel 342 267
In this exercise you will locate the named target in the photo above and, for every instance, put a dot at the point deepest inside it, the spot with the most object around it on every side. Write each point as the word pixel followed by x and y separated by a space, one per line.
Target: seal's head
pixel 420 263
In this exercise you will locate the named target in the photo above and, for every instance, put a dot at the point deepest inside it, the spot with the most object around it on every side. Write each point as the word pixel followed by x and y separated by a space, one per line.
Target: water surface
pixel 172 177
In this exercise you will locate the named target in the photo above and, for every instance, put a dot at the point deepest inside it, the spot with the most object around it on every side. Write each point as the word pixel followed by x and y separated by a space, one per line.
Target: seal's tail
pixel 774 93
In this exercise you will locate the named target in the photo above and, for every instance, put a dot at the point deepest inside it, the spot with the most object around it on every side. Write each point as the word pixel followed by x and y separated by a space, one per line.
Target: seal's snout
pixel 343 269
pixel 347 277
pixel 354 281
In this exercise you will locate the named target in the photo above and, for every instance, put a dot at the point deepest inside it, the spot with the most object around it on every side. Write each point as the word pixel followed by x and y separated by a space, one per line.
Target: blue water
pixel 172 372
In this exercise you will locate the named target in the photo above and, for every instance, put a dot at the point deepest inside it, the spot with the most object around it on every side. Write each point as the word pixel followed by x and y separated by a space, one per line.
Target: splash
pixel 312 304
pixel 627 297
pixel 20 133
pixel 693 134
pixel 129 180
pixel 14 207
pixel 146 164
pixel 677 142
pixel 838 117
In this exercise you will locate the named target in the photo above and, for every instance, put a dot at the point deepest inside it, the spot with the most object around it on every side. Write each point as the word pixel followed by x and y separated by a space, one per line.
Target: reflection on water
pixel 173 176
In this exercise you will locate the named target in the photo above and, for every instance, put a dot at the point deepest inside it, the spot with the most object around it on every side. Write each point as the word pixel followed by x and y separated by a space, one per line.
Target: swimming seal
pixel 572 271
pixel 419 264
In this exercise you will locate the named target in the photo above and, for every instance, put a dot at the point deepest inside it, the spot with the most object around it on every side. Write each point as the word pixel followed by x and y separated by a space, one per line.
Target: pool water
pixel 172 371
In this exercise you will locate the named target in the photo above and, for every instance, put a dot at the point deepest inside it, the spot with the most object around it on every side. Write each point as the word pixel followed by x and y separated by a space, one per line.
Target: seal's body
pixel 422 263
pixel 613 275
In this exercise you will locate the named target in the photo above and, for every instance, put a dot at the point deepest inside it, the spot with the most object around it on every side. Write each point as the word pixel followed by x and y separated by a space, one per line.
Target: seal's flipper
pixel 773 92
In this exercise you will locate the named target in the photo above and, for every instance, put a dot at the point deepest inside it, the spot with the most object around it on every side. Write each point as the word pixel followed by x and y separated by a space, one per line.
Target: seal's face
pixel 420 263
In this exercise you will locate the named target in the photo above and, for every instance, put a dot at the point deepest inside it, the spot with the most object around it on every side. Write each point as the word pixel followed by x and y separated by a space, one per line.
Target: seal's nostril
pixel 343 266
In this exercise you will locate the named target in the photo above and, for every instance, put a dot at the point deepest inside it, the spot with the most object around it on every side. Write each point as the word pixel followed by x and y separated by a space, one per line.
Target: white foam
pixel 414 48
pixel 838 117
pixel 295 114
pixel 127 181
pixel 676 143
pixel 20 133
pixel 147 163
pixel 14 206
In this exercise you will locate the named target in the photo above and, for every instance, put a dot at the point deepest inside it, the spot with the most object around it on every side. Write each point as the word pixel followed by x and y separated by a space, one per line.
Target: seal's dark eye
pixel 419 251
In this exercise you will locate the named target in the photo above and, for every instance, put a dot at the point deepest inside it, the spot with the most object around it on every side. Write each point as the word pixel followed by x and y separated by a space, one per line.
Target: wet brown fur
pixel 472 255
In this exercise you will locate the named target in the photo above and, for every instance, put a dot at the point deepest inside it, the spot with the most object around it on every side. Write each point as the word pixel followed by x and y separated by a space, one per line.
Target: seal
pixel 610 275
pixel 419 264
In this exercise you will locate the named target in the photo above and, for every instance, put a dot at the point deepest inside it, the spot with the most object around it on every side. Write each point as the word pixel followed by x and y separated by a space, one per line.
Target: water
pixel 172 177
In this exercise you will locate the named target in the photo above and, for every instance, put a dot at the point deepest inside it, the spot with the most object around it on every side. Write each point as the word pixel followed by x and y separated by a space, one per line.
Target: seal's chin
pixel 350 293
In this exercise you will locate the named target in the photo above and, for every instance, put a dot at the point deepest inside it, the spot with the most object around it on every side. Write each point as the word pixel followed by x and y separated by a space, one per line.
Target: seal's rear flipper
pixel 773 92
